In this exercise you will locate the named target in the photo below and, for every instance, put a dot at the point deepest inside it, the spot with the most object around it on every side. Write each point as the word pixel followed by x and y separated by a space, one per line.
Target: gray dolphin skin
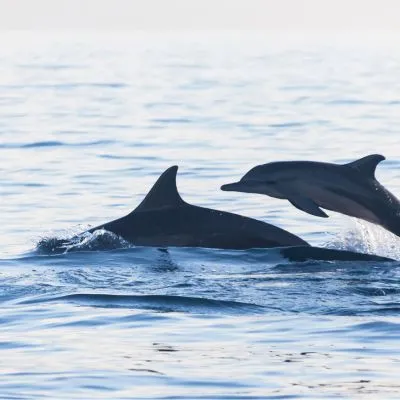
pixel 350 189
pixel 164 219
pixel 310 253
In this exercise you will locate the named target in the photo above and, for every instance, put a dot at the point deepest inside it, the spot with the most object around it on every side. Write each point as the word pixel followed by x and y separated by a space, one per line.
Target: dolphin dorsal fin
pixel 164 192
pixel 367 165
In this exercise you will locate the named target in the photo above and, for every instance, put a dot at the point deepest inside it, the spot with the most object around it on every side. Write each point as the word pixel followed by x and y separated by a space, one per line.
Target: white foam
pixel 364 237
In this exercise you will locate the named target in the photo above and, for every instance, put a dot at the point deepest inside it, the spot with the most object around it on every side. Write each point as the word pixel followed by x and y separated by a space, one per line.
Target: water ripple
pixel 86 126
pixel 155 302
pixel 53 143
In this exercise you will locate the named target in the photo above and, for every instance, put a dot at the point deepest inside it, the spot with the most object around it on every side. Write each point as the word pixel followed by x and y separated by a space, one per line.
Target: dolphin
pixel 350 189
pixel 311 253
pixel 164 219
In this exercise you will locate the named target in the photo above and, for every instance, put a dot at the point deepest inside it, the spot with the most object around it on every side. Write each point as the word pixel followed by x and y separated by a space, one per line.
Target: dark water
pixel 86 126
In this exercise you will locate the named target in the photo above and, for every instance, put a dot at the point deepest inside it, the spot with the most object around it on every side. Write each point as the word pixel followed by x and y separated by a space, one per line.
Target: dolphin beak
pixel 232 187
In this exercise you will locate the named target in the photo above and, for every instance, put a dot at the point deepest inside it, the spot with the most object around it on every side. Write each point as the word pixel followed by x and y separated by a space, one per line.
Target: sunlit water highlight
pixel 86 126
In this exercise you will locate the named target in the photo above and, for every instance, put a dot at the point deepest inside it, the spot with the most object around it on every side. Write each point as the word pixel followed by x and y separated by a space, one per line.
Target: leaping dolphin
pixel 350 189
pixel 164 219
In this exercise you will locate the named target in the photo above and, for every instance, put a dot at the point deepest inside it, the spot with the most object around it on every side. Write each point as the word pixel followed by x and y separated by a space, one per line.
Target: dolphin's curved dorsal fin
pixel 164 192
pixel 367 164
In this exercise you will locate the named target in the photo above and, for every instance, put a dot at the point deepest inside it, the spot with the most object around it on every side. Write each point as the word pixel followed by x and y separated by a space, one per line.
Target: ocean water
pixel 88 123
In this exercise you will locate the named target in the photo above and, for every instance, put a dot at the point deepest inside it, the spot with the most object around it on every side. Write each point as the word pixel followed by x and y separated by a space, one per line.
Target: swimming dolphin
pixel 164 219
pixel 311 253
pixel 350 189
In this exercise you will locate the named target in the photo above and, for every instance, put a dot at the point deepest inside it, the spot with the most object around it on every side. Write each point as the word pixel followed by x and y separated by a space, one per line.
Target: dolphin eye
pixel 270 182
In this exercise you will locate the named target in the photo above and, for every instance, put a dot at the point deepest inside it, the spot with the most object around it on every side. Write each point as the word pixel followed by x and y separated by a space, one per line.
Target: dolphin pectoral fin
pixel 307 205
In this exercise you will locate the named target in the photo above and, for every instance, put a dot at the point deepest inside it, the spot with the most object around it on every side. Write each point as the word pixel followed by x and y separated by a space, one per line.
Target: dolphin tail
pixel 301 254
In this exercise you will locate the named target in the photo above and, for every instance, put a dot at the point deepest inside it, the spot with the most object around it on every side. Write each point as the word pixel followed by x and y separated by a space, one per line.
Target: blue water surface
pixel 88 123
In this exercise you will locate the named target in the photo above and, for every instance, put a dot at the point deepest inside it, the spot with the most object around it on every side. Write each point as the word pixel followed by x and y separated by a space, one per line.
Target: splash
pixel 364 237
pixel 86 241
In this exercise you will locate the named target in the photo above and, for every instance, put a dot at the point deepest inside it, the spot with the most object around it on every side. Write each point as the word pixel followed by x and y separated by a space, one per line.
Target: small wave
pixel 96 241
pixel 67 86
pixel 292 124
pixel 379 326
pixel 54 67
pixel 348 101
pixel 382 310
pixel 49 143
pixel 52 143
pixel 165 303
pixel 171 120
pixel 376 291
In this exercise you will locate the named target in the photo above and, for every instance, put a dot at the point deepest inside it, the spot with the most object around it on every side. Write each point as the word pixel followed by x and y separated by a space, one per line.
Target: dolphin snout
pixel 232 187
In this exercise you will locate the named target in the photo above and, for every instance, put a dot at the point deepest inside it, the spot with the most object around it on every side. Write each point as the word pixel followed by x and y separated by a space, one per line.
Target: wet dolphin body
pixel 310 253
pixel 164 219
pixel 350 189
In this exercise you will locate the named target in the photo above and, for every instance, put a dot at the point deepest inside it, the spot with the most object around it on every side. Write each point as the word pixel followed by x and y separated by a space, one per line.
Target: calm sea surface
pixel 88 123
